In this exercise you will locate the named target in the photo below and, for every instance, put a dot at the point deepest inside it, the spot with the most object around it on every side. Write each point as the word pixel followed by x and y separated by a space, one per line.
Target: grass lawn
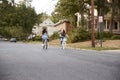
pixel 106 45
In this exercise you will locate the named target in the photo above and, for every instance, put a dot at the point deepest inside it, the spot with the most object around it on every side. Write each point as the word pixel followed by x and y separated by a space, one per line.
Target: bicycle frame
pixel 63 43
pixel 45 44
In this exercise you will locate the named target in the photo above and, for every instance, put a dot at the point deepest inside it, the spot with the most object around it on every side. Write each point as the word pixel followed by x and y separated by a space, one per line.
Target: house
pixel 107 23
pixel 49 25
pixel 63 25
pixel 35 30
pixel 112 22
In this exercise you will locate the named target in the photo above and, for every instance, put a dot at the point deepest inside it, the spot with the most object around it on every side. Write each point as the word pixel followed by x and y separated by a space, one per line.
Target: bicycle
pixel 45 44
pixel 63 43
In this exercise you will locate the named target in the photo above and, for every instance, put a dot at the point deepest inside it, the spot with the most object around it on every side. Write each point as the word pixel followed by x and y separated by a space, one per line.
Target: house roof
pixel 62 21
pixel 47 22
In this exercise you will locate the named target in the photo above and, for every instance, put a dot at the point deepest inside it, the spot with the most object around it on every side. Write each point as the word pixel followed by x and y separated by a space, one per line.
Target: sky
pixel 44 5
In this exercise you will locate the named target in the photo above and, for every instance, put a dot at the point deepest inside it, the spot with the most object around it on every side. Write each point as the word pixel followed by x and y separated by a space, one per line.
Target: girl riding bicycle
pixel 44 36
pixel 63 37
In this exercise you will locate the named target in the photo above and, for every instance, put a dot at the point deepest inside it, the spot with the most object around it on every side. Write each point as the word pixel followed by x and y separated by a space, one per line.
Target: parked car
pixel 3 39
pixel 13 40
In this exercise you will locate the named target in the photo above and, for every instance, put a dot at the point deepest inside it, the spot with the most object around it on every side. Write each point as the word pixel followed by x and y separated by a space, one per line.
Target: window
pixel 116 11
pixel 108 24
pixel 115 25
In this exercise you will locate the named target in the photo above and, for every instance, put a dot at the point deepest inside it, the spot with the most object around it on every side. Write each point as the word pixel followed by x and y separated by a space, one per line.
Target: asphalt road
pixel 21 61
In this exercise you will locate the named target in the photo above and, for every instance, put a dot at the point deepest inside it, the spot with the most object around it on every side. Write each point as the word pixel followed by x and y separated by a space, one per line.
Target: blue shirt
pixel 45 36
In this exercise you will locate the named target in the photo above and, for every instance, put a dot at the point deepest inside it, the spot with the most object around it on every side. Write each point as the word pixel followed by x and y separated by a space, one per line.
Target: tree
pixel 67 9
pixel 6 10
pixel 16 17
pixel 115 7
pixel 41 17
pixel 26 17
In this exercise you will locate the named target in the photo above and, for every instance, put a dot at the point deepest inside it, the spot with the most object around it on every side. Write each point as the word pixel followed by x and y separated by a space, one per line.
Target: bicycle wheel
pixel 63 44
pixel 46 45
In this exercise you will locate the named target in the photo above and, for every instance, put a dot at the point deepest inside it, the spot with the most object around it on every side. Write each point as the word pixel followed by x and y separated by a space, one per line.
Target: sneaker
pixel 42 44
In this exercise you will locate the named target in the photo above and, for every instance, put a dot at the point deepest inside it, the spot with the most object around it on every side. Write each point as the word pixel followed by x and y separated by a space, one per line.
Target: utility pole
pixel 92 24
pixel 100 20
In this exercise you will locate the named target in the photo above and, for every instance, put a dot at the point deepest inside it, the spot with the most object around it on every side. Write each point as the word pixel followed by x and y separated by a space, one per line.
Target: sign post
pixel 100 20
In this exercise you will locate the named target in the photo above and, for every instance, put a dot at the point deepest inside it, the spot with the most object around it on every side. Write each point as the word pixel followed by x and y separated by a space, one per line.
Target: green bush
pixel 103 35
pixel 79 34
pixel 37 38
pixel 115 37
pixel 55 36
pixel 107 35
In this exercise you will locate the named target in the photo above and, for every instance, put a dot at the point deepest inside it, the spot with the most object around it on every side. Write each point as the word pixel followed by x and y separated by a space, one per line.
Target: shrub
pixel 107 35
pixel 103 35
pixel 115 37
pixel 37 38
pixel 54 36
pixel 79 34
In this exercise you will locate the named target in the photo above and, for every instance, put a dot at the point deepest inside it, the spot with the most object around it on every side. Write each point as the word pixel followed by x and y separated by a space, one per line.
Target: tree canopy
pixel 68 8
pixel 20 17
